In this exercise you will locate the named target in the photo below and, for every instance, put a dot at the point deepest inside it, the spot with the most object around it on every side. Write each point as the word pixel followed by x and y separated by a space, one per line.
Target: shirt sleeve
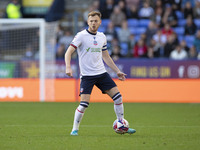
pixel 105 44
pixel 76 42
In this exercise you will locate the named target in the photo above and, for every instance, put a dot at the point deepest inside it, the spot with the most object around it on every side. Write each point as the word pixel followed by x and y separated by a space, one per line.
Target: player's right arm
pixel 68 56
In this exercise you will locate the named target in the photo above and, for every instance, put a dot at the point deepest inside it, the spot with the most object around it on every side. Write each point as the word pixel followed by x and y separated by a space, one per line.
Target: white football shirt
pixel 89 47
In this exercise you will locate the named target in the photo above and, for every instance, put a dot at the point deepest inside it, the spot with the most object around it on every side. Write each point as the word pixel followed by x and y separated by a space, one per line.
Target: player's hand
pixel 121 76
pixel 69 72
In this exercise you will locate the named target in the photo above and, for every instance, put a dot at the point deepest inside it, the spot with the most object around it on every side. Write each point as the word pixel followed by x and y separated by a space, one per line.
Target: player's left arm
pixel 108 60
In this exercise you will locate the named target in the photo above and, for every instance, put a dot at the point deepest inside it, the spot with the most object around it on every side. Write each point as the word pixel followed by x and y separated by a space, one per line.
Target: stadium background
pixel 157 79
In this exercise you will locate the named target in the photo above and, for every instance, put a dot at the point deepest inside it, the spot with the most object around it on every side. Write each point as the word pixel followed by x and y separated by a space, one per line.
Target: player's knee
pixel 117 98
pixel 84 104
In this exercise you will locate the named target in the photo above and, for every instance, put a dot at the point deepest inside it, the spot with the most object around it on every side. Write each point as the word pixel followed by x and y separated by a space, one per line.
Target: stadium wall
pixel 132 90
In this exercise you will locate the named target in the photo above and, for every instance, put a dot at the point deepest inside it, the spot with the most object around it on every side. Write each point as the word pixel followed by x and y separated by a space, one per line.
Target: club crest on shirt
pixel 81 90
pixel 95 42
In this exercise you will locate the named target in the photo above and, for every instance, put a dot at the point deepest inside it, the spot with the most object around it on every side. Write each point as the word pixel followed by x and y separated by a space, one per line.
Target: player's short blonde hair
pixel 94 13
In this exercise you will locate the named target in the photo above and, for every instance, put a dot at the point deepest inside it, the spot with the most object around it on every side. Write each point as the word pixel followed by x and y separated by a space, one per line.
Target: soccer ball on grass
pixel 120 126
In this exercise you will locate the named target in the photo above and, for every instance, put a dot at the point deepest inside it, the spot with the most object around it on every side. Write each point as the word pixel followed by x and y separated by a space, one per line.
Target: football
pixel 120 126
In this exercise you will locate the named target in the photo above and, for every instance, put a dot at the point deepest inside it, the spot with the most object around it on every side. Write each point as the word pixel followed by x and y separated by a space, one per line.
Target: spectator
pixel 184 46
pixel 169 16
pixel 59 33
pixel 167 30
pixel 124 33
pixel 13 10
pixel 178 53
pixel 157 17
pixel 134 12
pixel 192 54
pixel 197 10
pixel 197 41
pixel 150 53
pixel 160 38
pixel 192 2
pixel 140 49
pixel 117 17
pixel 107 9
pixel 60 53
pixel 66 38
pixel 157 47
pixel 176 5
pixel 115 55
pixel 146 12
pixel 188 11
pixel 124 8
pixel 132 42
pixel 170 45
pixel 151 30
pixel 110 32
pixel 158 4
pixel 190 27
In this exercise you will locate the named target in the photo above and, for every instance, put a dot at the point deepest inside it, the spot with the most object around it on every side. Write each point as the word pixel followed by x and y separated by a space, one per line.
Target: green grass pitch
pixel 47 126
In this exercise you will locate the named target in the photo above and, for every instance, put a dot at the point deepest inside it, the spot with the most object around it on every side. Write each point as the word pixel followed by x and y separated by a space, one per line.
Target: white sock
pixel 118 106
pixel 79 114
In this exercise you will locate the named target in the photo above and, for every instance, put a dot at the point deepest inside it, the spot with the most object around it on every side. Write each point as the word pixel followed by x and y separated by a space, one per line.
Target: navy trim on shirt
pixel 90 32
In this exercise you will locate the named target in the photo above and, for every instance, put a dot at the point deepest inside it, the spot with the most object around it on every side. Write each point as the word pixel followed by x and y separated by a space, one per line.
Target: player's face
pixel 94 22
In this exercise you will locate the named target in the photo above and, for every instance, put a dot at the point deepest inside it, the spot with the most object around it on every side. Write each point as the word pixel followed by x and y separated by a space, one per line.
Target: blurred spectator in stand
pixel 167 30
pixel 178 53
pixel 151 30
pixel 110 32
pixel 132 42
pixel 66 39
pixel 59 33
pixel 29 53
pixel 124 8
pixel 134 12
pixel 192 2
pixel 117 16
pixel 150 53
pixel 188 10
pixel 176 5
pixel 160 39
pixel 157 47
pixel 157 17
pixel 184 46
pixel 115 54
pixel 169 16
pixel 190 27
pixel 124 33
pixel 196 10
pixel 146 12
pixel 60 53
pixel 192 54
pixel 93 7
pixel 197 41
pixel 140 49
pixel 172 41
pixel 107 8
pixel 158 4
pixel 13 10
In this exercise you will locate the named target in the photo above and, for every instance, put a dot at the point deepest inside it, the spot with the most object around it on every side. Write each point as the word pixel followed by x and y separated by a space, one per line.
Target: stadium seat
pixel 132 22
pixel 181 22
pixel 180 38
pixel 189 40
pixel 138 30
pixel 124 48
pixel 144 22
pixel 179 15
pixel 179 30
pixel 102 29
pixel 105 22
pixel 197 22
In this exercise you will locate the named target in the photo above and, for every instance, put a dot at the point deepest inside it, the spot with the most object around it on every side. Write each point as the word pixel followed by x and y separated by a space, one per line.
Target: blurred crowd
pixel 140 28
pixel 146 28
